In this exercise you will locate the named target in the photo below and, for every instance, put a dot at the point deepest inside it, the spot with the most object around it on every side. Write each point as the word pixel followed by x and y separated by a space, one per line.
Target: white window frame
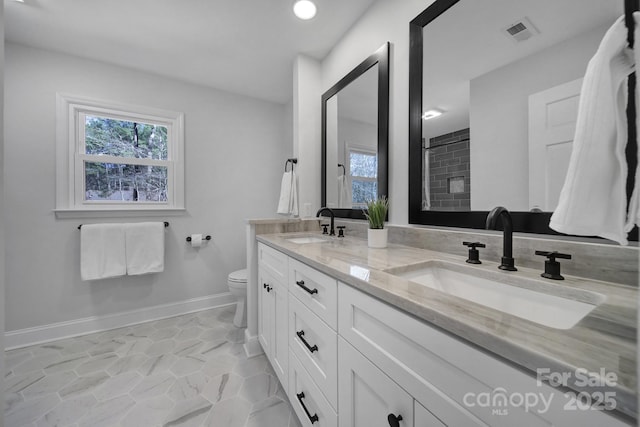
pixel 70 157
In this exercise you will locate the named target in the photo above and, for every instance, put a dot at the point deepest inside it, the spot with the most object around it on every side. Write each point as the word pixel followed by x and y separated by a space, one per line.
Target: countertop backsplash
pixel 598 261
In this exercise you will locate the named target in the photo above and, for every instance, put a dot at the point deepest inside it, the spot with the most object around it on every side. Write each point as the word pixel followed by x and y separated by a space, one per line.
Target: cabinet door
pixel 266 311
pixel 368 398
pixel 280 339
pixel 424 418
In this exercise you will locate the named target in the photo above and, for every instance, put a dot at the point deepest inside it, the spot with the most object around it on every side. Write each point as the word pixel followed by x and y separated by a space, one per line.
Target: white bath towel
pixel 634 204
pixel 593 198
pixel 144 247
pixel 102 252
pixel 344 195
pixel 288 202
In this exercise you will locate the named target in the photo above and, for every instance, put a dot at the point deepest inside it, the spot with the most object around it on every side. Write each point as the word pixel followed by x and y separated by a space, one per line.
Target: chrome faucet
pixel 507 262
pixel 332 232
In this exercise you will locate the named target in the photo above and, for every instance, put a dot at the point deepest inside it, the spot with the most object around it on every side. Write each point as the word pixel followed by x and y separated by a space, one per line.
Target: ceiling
pixel 242 46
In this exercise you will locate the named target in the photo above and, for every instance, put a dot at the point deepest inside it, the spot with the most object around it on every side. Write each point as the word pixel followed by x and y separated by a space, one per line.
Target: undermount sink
pixel 548 304
pixel 306 239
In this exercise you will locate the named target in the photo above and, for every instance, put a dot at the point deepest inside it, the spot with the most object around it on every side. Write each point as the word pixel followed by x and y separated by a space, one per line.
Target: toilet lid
pixel 238 276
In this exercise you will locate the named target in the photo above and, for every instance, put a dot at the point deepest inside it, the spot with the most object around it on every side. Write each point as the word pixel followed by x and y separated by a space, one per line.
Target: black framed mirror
pixel 476 71
pixel 355 137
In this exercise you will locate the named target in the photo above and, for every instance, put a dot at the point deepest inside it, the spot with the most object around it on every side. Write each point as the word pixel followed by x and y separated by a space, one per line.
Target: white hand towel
pixel 144 242
pixel 102 252
pixel 344 198
pixel 294 208
pixel 593 199
pixel 288 202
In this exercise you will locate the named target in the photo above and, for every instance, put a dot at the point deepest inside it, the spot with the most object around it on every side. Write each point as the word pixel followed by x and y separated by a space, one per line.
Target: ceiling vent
pixel 523 29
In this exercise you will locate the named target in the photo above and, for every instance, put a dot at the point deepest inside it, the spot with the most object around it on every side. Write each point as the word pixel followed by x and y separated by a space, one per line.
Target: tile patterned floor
pixel 183 371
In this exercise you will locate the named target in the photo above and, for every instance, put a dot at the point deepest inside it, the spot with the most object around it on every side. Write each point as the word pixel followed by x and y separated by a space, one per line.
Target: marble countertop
pixel 604 341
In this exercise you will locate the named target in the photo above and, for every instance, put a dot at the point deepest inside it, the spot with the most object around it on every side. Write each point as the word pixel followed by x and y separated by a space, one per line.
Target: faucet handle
pixel 324 228
pixel 474 255
pixel 341 230
pixel 551 266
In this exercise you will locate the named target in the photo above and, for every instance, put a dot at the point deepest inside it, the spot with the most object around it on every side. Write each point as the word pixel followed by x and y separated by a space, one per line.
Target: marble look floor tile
pixel 195 374
pixel 221 364
pixel 134 346
pixel 186 365
pixel 259 387
pixel 67 362
pixel 250 367
pixel 18 382
pixel 230 413
pixel 30 410
pixel 148 413
pixel 189 333
pixel 36 363
pixel 188 387
pixel 157 364
pixel 189 413
pixel 222 387
pixel 153 386
pixel 96 363
pixel 49 384
pixel 107 413
pixel 68 411
pixel 164 334
pixel 270 412
pixel 160 347
pixel 118 385
pixel 83 385
pixel 186 348
pixel 126 364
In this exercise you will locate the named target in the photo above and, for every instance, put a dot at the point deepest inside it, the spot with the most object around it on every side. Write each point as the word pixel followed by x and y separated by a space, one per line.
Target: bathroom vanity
pixel 363 337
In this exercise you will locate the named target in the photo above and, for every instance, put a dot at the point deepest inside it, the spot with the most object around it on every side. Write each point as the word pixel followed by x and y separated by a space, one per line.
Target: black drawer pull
pixel 267 287
pixel 394 421
pixel 300 335
pixel 313 418
pixel 301 284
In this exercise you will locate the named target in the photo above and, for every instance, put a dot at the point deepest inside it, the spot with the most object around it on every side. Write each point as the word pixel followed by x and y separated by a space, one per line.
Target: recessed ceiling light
pixel 304 9
pixel 431 114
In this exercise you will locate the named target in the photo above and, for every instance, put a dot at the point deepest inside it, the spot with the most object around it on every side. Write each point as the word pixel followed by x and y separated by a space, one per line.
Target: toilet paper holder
pixel 207 237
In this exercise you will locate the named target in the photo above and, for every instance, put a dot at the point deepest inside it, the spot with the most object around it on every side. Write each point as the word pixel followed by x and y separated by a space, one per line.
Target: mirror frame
pixel 527 222
pixel 380 57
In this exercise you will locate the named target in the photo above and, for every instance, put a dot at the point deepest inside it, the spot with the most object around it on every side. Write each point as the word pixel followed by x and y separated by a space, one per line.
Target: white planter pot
pixel 377 238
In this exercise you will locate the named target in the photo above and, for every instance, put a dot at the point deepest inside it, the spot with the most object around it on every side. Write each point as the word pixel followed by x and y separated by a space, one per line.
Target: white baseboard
pixel 252 345
pixel 55 331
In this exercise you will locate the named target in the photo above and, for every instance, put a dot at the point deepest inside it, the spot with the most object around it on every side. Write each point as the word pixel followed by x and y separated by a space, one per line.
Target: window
pixel 118 158
pixel 363 167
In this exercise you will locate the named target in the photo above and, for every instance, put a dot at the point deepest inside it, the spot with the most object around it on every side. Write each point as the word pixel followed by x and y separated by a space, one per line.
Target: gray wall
pixel 499 119
pixel 235 149
pixel 2 206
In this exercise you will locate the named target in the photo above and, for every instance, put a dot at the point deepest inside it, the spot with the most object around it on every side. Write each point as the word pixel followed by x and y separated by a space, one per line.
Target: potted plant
pixel 376 212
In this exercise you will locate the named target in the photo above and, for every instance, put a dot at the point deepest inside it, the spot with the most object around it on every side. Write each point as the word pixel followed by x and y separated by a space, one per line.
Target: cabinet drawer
pixel 316 346
pixel 307 400
pixel 446 375
pixel 316 290
pixel 273 261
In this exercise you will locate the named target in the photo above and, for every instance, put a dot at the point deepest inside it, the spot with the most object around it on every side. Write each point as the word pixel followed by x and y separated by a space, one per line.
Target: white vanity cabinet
pixel 273 310
pixel 452 380
pixel 348 359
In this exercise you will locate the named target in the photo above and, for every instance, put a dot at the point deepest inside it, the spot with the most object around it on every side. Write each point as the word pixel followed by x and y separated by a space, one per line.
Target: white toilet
pixel 237 282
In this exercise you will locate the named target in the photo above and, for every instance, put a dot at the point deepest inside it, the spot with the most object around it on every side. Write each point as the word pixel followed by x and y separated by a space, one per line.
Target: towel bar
pixel 292 161
pixel 166 224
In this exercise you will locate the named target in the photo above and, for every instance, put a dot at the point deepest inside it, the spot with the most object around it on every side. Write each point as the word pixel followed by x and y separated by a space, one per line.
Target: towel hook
pixel 292 161
pixel 344 170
